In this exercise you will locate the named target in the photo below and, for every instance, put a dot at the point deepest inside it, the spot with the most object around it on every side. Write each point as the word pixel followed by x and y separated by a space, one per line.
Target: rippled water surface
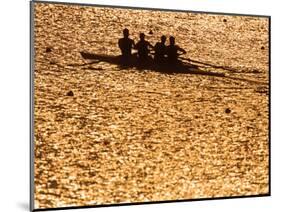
pixel 129 135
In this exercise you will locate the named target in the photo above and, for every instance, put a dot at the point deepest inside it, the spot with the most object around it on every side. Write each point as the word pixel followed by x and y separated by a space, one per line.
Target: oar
pixel 211 65
pixel 83 64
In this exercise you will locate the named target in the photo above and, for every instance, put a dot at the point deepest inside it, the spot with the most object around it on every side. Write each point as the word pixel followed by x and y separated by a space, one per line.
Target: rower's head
pixel 142 36
pixel 172 40
pixel 163 39
pixel 126 32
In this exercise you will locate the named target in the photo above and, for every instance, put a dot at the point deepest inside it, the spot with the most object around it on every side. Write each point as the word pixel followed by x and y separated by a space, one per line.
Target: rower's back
pixel 126 44
pixel 160 50
pixel 143 47
pixel 172 51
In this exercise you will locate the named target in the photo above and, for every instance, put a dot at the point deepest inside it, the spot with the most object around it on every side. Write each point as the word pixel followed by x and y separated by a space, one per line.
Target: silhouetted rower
pixel 143 47
pixel 160 50
pixel 172 51
pixel 126 44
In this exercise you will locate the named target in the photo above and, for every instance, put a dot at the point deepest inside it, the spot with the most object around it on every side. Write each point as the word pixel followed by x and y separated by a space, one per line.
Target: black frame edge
pixel 269 105
pixel 149 203
pixel 31 102
pixel 145 8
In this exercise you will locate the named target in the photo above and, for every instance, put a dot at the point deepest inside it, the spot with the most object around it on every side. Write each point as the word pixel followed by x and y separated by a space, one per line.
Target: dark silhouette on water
pixel 182 67
pixel 173 51
pixel 48 49
pixel 126 44
pixel 185 68
pixel 227 110
pixel 143 48
pixel 230 69
pixel 160 51
pixel 166 58
pixel 70 93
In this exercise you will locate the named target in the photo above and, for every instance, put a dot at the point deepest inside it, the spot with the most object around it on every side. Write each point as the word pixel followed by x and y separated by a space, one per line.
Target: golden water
pixel 137 136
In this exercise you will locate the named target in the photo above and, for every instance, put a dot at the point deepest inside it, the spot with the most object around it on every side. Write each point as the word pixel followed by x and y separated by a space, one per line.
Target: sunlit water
pixel 136 136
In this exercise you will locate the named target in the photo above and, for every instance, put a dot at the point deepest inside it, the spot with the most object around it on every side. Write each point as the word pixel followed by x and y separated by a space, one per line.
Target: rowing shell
pixel 134 62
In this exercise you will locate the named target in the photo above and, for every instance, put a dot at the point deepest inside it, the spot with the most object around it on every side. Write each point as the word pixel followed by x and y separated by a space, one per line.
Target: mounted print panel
pixel 139 105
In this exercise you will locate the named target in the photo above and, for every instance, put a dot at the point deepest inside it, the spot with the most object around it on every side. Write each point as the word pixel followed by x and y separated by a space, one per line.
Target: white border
pixel 14 111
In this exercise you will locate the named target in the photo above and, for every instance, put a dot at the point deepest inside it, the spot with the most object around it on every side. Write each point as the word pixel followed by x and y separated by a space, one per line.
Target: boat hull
pixel 149 64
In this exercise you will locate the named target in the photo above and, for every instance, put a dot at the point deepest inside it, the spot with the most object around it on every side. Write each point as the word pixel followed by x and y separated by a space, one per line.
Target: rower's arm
pixel 119 43
pixel 136 45
pixel 182 50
